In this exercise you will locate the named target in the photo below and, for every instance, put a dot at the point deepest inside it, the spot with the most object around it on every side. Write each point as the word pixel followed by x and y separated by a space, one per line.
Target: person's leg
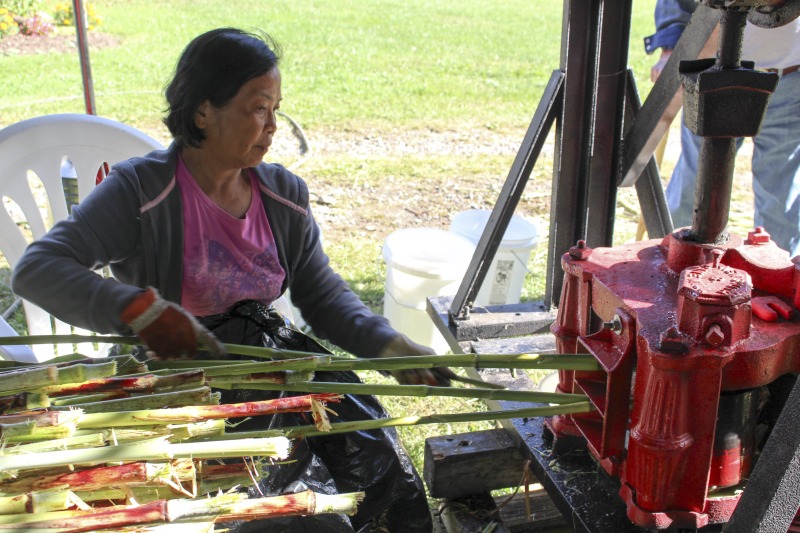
pixel 680 189
pixel 776 166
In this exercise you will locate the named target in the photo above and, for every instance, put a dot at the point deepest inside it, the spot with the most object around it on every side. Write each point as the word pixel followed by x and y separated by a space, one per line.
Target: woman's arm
pixel 57 272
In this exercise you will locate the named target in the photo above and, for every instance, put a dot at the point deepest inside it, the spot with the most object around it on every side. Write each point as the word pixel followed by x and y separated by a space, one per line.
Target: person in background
pixel 776 149
pixel 201 238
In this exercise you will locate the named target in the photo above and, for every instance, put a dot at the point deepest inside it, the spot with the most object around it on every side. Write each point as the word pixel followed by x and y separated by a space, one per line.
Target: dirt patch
pixel 58 43
pixel 369 202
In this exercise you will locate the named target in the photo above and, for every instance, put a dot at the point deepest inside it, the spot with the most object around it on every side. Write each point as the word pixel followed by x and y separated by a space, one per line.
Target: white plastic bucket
pixel 420 263
pixel 503 282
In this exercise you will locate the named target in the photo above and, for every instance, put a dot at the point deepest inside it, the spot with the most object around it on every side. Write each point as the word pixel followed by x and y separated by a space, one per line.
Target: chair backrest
pixel 41 145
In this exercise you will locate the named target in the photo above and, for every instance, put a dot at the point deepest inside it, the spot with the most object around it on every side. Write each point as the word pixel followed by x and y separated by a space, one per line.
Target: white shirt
pixel 774 47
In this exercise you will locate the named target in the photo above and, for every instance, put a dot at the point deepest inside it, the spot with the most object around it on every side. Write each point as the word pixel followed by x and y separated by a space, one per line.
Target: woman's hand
pixel 167 329
pixel 402 346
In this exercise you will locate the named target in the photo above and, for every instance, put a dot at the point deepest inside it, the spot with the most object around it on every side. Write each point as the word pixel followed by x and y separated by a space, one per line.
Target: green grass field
pixel 366 64
pixel 378 66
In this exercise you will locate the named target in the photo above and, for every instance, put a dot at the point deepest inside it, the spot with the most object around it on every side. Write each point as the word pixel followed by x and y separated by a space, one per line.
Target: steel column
pixel 594 55
pixel 568 201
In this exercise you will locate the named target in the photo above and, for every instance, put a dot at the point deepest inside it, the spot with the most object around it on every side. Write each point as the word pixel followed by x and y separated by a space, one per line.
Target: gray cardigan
pixel 133 223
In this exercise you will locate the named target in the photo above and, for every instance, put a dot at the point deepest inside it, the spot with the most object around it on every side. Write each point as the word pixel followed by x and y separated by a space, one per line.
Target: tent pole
pixel 83 52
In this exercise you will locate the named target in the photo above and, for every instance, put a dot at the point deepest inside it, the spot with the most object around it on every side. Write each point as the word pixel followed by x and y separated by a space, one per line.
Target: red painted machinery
pixel 694 333
pixel 690 337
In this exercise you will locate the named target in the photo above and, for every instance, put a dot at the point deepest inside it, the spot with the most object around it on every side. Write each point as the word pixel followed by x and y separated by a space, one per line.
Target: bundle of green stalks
pixel 119 444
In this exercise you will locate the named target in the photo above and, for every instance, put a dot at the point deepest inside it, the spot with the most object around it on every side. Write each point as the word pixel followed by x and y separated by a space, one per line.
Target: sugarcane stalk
pixel 173 432
pixel 298 504
pixel 82 372
pixel 27 379
pixel 92 520
pixel 37 502
pixel 68 339
pixel 136 473
pixel 151 450
pixel 325 362
pixel 525 361
pixel 205 429
pixel 92 440
pixel 193 526
pixel 18 522
pixel 43 418
pixel 22 401
pixel 221 508
pixel 38 433
pixel 124 435
pixel 172 399
pixel 237 368
pixel 143 383
pixel 148 493
pixel 139 494
pixel 66 402
pixel 210 471
pixel 400 390
pixel 451 418
pixel 203 412
pixel 62 422
pixel 550 361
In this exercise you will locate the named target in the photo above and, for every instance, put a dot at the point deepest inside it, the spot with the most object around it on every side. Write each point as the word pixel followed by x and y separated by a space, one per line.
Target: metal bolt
pixel 758 236
pixel 580 252
pixel 715 336
pixel 614 325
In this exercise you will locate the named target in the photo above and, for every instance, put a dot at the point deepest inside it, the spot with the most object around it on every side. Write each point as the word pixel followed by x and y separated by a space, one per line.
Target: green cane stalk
pixel 452 418
pixel 326 362
pixel 160 449
pixel 524 361
pixel 198 396
pixel 223 508
pixel 37 502
pixel 420 391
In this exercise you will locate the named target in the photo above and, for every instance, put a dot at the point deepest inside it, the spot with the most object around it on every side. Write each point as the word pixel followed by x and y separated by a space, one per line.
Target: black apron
pixel 371 461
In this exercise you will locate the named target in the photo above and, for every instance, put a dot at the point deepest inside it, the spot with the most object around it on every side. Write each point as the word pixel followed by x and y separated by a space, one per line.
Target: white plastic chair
pixel 41 145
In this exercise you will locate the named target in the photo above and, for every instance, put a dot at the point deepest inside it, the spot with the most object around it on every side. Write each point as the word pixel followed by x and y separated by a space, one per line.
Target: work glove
pixel 402 346
pixel 167 329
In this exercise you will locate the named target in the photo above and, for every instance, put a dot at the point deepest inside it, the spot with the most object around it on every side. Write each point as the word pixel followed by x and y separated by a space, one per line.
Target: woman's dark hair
pixel 213 67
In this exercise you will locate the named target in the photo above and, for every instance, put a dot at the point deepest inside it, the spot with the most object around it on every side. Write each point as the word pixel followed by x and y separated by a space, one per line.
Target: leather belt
pixel 784 71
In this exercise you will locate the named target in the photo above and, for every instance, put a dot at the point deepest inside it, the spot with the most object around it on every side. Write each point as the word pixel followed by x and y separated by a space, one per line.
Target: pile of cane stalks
pixel 116 444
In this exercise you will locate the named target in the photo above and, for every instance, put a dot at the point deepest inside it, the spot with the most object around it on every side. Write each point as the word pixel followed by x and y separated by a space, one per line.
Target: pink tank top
pixel 225 259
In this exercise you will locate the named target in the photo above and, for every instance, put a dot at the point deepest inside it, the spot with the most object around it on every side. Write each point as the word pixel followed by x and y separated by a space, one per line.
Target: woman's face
pixel 239 134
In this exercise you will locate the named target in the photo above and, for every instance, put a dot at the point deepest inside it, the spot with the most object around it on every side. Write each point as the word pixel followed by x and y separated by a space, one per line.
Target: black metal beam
pixel 605 129
pixel 649 190
pixel 664 100
pixel 546 113
pixel 568 199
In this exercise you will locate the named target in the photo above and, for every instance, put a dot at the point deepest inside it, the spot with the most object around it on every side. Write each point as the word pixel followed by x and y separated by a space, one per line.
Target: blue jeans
pixel 776 169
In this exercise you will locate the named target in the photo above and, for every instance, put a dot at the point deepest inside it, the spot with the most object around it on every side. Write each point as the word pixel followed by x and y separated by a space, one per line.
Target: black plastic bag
pixel 370 461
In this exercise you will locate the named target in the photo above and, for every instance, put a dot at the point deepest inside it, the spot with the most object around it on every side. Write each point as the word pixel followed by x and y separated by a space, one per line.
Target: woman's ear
pixel 202 114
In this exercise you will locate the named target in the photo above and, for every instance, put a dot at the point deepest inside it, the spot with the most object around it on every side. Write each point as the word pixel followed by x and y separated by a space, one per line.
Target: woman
pixel 206 229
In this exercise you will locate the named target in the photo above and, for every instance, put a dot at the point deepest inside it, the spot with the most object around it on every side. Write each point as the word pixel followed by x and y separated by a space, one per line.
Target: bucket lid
pixel 520 232
pixel 428 253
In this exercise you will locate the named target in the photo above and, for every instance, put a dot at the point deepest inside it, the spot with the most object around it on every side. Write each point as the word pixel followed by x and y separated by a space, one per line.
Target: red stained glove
pixel 402 346
pixel 167 329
